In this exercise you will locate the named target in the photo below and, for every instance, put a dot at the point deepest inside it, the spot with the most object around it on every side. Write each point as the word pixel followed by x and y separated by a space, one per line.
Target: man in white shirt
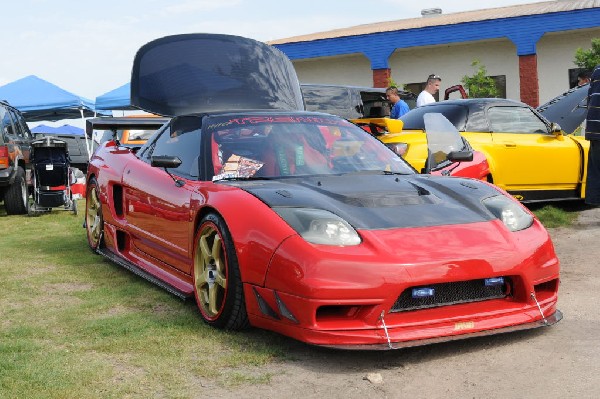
pixel 431 88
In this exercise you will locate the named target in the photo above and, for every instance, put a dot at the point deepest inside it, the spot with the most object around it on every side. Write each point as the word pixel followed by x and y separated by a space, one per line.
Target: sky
pixel 87 48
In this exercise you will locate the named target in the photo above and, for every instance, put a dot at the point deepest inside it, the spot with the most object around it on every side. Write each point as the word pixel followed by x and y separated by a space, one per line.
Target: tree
pixel 479 85
pixel 588 59
pixel 392 83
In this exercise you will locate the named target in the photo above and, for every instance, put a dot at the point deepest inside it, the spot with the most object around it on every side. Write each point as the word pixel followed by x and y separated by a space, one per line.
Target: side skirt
pixel 545 195
pixel 142 273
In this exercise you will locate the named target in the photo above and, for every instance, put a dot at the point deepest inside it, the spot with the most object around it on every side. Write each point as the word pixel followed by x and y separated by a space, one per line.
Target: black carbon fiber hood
pixel 377 201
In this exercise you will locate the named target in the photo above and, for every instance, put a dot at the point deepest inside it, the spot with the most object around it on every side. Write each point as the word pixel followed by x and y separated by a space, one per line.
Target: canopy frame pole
pixel 88 143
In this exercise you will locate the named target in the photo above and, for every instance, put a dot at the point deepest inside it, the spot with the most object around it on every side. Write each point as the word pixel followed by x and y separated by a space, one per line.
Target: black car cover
pixel 198 73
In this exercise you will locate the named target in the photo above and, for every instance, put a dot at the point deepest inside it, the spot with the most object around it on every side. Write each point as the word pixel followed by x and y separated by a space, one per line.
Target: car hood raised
pixel 568 109
pixel 370 201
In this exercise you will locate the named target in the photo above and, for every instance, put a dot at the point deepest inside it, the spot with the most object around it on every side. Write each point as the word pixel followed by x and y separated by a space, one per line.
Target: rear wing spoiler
pixel 379 126
pixel 124 123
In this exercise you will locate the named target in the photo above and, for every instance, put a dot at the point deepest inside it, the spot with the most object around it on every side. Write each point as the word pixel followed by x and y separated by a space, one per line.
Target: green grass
pixel 73 325
pixel 557 214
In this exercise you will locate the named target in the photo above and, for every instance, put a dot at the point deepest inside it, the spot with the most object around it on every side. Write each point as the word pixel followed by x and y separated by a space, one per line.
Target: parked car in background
pixel 15 160
pixel 301 222
pixel 459 159
pixel 528 156
pixel 350 102
pixel 369 108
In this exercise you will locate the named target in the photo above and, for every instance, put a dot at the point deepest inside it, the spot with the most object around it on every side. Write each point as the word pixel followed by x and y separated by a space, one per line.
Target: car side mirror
pixel 460 156
pixel 555 129
pixel 165 161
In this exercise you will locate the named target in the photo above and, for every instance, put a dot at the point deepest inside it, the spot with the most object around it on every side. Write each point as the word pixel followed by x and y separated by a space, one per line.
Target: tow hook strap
pixel 385 329
pixel 539 307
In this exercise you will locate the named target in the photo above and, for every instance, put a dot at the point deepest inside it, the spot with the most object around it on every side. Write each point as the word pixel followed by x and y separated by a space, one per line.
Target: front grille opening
pixel 330 312
pixel 546 290
pixel 445 294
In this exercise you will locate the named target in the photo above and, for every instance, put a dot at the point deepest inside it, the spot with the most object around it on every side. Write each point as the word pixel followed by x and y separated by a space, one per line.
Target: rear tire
pixel 16 198
pixel 94 222
pixel 217 281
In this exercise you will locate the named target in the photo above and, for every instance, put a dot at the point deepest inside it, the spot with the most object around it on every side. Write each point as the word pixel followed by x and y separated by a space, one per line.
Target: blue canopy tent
pixel 64 129
pixel 40 100
pixel 117 99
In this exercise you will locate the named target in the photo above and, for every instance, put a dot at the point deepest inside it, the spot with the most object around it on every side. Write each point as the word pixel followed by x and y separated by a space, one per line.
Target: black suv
pixel 350 102
pixel 15 161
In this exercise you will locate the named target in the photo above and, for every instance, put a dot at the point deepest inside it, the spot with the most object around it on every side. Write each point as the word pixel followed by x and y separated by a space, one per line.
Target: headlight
pixel 398 148
pixel 509 211
pixel 318 226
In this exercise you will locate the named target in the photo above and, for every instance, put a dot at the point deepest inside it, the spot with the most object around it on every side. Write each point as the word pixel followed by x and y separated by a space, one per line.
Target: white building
pixel 528 48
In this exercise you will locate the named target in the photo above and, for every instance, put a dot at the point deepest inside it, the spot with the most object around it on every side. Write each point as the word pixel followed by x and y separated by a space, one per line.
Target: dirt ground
pixel 562 361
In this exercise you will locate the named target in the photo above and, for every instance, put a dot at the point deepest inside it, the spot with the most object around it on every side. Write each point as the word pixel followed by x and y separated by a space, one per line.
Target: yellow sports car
pixel 531 158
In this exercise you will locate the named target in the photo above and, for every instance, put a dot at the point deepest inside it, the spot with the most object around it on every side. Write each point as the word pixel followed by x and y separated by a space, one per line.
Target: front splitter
pixel 550 320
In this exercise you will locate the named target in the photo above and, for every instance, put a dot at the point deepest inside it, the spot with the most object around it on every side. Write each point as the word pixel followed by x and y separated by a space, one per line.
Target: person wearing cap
pixel 432 87
pixel 592 133
pixel 399 106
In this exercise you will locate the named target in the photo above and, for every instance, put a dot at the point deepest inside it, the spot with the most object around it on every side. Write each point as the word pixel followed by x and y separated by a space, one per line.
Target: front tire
pixel 16 198
pixel 217 282
pixel 94 222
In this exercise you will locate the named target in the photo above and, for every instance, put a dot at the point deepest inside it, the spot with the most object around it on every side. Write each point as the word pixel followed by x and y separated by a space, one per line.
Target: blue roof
pixel 524 31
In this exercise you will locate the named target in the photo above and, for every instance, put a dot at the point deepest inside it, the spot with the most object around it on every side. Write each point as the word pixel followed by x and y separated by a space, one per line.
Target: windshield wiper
pixel 389 172
pixel 373 172
pixel 233 178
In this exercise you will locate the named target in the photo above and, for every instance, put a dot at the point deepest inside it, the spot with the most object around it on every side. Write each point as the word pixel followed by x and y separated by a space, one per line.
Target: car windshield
pixel 295 145
pixel 456 114
pixel 330 99
pixel 348 102
pixel 515 120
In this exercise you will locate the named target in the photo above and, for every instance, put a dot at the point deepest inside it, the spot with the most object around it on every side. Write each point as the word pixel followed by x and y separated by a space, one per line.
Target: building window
pixel 573 72
pixel 500 81
pixel 500 85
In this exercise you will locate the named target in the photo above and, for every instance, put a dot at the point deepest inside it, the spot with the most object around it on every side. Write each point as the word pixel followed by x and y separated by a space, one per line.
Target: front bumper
pixel 347 297
pixel 368 324
pixel 7 176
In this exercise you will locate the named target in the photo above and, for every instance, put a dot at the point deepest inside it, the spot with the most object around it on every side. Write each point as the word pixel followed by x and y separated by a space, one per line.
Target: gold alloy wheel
pixel 93 220
pixel 210 272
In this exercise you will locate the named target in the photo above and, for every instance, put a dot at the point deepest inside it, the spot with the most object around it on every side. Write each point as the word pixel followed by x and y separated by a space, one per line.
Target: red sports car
pixel 303 223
